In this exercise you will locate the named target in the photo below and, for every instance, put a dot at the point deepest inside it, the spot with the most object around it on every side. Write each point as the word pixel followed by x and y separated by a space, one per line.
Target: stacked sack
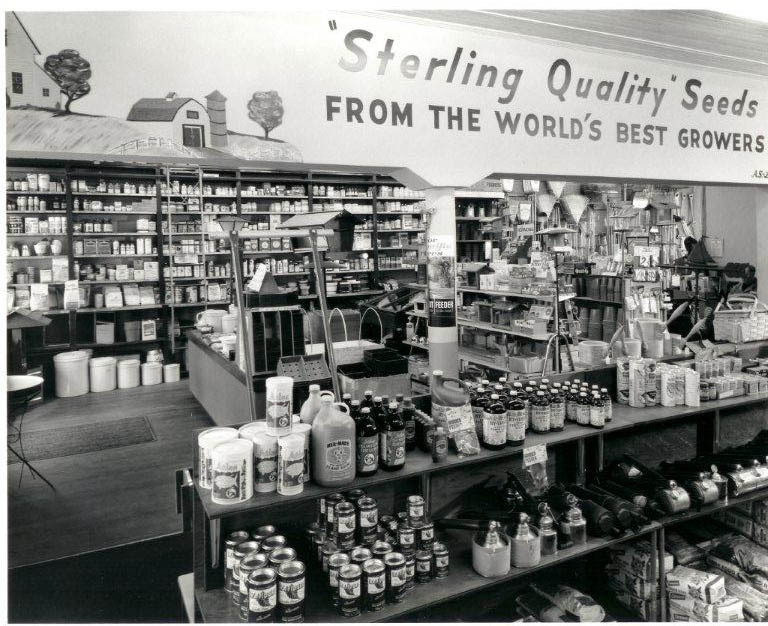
pixel 700 596
pixel 631 576
pixel 749 519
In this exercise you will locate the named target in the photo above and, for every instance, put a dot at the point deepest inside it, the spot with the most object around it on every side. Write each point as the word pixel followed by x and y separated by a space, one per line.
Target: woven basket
pixel 744 319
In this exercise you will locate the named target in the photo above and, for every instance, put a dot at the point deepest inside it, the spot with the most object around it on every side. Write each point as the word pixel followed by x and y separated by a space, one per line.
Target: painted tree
pixel 266 109
pixel 71 72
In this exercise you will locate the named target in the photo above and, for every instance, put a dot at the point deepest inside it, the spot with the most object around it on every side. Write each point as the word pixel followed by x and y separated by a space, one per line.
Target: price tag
pixel 534 454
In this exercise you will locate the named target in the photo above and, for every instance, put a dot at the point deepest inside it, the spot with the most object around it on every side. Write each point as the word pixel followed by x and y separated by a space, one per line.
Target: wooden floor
pixel 108 498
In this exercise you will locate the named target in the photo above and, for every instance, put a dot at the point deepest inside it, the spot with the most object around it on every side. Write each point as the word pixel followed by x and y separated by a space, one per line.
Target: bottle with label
pixel 583 409
pixel 571 403
pixel 392 440
pixel 451 410
pixel 347 399
pixel 333 445
pixel 367 400
pixel 377 411
pixel 597 411
pixel 499 391
pixel 607 404
pixel 540 413
pixel 516 420
pixel 556 411
pixel 408 414
pixel 479 401
pixel 494 424
pixel 367 444
pixel 354 410
pixel 439 445
pixel 529 396
pixel 311 405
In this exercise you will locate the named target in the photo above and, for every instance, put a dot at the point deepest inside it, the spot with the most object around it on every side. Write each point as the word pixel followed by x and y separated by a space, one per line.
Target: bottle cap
pixel 494 396
pixel 355 402
pixel 366 410
pixel 314 387
pixel 377 399
pixel 540 393
pixel 368 392
pixel 437 373
pixel 393 405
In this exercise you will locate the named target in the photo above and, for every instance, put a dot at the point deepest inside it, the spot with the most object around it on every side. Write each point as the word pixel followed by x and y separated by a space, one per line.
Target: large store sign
pixel 451 105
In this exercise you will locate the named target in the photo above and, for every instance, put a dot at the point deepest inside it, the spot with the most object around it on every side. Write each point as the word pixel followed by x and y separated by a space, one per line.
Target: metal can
pixel 416 510
pixel 401 517
pixel 392 525
pixel 262 532
pixel 281 555
pixel 335 563
pixel 273 543
pixel 249 564
pixel 360 555
pixel 309 534
pixel 406 539
pixel 380 549
pixel 329 548
pixel 425 536
pixel 230 543
pixel 442 560
pixel 423 566
pixel 395 576
pixel 355 495
pixel 350 590
pixel 321 511
pixel 374 584
pixel 344 525
pixel 367 521
pixel 319 542
pixel 384 532
pixel 262 595
pixel 291 590
pixel 410 572
pixel 331 501
pixel 242 549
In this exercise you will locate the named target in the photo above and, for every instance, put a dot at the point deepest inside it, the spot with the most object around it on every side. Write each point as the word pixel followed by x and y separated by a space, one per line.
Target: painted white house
pixel 182 120
pixel 26 83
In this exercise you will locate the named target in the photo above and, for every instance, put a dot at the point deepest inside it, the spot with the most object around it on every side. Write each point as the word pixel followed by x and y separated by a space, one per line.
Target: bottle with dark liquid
pixel 347 399
pixel 516 420
pixel 479 403
pixel 377 411
pixel 529 396
pixel 608 405
pixel 540 413
pixel 367 400
pixel 392 440
pixel 367 444
pixel 494 424
pixel 556 411
pixel 583 409
pixel 408 415
pixel 597 411
pixel 354 410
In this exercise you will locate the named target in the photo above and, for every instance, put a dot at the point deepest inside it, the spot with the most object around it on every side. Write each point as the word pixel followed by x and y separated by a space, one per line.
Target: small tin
pixel 262 532
pixel 406 539
pixel 321 511
pixel 401 517
pixel 350 590
pixel 395 576
pixel 384 528
pixel 329 548
pixel 360 555
pixel 279 556
pixel 230 543
pixel 374 585
pixel 442 560
pixel 367 521
pixel 310 532
pixel 410 572
pixel 262 595
pixel 425 536
pixel 331 501
pixel 344 525
pixel 273 543
pixel 241 550
pixel 291 590
pixel 416 511
pixel 319 542
pixel 355 495
pixel 380 549
pixel 249 564
pixel 335 563
pixel 423 567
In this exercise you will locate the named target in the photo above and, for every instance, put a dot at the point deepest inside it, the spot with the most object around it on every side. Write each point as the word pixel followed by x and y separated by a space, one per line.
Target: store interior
pixel 253 391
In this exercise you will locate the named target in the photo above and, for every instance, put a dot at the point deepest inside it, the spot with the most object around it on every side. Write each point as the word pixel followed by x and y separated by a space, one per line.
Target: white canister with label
pixel 290 465
pixel 279 405
pixel 206 442
pixel 247 431
pixel 305 430
pixel 265 462
pixel 232 472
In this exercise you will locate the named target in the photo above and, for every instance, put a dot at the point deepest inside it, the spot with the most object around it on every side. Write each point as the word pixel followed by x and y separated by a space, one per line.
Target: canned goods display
pixel 262 595
pixel 344 525
pixel 319 542
pixel 394 563
pixel 335 563
pixel 330 513
pixel 374 584
pixel 442 563
pixel 423 567
pixel 385 522
pixel 273 543
pixel 291 590
pixel 416 509
pixel 410 572
pixel 230 543
pixel 329 548
pixel 281 555
pixel 249 564
pixel 360 555
pixel 381 548
pixel 262 532
pixel 367 521
pixel 426 536
pixel 350 590
pixel 355 495
pixel 241 550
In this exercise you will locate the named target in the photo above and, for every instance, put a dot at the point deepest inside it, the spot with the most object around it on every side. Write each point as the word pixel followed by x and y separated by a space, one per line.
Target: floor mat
pixel 54 443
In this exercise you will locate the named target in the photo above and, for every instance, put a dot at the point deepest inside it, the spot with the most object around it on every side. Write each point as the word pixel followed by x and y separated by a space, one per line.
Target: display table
pixel 219 384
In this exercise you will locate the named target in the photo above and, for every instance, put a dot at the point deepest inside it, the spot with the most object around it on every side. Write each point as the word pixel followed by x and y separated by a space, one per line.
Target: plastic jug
pixel 313 404
pixel 333 444
pixel 452 410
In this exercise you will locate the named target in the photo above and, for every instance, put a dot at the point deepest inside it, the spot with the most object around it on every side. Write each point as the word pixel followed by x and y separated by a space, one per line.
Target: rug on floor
pixel 53 443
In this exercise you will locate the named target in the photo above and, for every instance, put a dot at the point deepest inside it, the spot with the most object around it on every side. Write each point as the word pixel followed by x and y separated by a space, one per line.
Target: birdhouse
pixel 474 272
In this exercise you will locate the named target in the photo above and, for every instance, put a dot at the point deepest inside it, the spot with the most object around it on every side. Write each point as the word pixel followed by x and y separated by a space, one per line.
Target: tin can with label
pixel 230 543
pixel 335 563
pixel 329 548
pixel 331 501
pixel 360 555
pixel 279 556
pixel 406 539
pixel 249 564
pixel 374 585
pixel 355 495
pixel 344 525
pixel 425 537
pixel 350 590
pixel 415 509
pixel 273 543
pixel 367 521
pixel 423 567
pixel 262 595
pixel 395 576
pixel 310 532
pixel 410 572
pixel 319 542
pixel 291 590
pixel 380 549
pixel 262 532
pixel 384 522
pixel 442 560
pixel 241 550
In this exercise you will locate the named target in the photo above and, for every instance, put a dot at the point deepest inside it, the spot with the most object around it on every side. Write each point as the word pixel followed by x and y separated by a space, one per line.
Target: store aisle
pixel 108 498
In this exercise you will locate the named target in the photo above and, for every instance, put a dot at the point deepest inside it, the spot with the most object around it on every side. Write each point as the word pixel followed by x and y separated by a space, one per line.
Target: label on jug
pixel 338 455
pixel 495 428
pixel 516 423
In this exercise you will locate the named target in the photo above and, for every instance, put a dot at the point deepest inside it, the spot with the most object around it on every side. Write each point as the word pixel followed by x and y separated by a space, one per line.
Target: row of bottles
pixel 503 413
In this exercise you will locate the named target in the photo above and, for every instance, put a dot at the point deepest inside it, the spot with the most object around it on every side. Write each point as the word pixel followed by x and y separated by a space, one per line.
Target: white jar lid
pixel 74 355
pixel 216 435
pixel 234 449
pixel 103 361
pixel 247 431
pixel 126 363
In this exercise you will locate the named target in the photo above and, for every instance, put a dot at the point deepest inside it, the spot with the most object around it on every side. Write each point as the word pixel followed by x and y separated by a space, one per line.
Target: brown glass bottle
pixel 494 424
pixel 367 444
pixel 392 440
